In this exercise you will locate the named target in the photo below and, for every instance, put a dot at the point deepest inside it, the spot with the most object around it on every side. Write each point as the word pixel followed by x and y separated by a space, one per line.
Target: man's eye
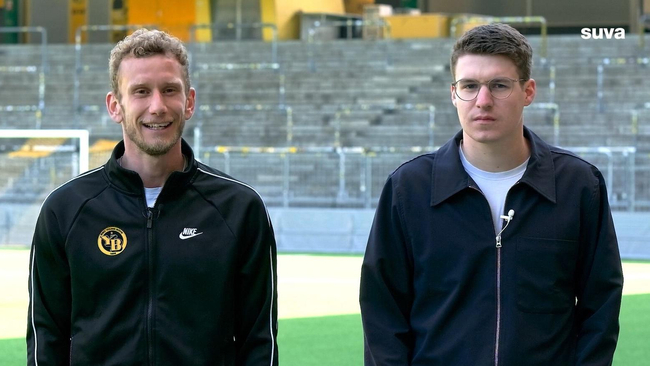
pixel 469 86
pixel 499 84
pixel 140 91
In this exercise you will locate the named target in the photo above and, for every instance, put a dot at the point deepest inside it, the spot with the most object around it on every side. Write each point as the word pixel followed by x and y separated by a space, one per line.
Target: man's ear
pixel 453 96
pixel 190 103
pixel 114 108
pixel 530 88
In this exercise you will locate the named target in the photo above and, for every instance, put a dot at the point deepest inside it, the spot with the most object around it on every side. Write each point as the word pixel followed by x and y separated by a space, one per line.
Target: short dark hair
pixel 145 43
pixel 495 39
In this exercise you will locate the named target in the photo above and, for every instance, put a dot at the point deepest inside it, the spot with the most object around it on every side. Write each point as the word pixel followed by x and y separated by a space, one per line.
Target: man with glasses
pixel 497 249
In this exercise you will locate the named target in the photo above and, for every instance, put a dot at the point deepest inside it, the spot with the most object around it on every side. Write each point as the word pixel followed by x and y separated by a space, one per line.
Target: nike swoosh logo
pixel 183 236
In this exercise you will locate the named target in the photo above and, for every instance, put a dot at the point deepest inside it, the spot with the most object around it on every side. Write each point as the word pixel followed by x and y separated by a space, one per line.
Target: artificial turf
pixel 301 342
pixel 633 346
pixel 338 340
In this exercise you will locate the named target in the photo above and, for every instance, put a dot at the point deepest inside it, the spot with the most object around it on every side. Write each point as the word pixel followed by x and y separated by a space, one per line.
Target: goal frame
pixel 82 135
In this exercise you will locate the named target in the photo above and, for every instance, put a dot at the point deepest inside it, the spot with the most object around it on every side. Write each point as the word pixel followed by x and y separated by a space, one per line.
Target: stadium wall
pixel 346 231
pixel 333 231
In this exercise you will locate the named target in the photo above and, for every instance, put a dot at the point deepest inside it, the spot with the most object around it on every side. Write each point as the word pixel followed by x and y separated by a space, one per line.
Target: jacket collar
pixel 128 180
pixel 449 176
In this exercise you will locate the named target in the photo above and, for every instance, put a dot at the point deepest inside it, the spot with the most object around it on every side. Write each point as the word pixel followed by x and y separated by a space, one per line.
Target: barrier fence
pixel 354 176
pixel 287 178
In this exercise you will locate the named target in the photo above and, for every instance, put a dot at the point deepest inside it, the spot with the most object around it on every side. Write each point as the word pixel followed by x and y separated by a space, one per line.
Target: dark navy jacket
pixel 436 290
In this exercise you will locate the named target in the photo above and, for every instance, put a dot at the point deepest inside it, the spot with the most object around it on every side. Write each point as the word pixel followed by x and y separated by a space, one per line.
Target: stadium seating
pixel 345 94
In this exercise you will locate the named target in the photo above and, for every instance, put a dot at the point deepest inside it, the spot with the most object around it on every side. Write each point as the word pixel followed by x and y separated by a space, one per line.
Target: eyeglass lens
pixel 500 88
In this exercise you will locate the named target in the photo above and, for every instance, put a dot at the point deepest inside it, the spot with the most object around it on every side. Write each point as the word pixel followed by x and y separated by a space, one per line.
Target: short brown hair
pixel 495 39
pixel 145 43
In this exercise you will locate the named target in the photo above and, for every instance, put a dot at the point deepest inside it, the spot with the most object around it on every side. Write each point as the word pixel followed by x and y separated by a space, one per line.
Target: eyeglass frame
pixel 486 83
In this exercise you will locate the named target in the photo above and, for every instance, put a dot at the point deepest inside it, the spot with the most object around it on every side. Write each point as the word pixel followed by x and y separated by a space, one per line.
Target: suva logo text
pixel 603 33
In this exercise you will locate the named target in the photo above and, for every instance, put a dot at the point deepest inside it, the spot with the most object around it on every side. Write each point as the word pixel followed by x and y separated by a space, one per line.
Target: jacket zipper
pixel 498 275
pixel 149 318
pixel 498 331
pixel 508 218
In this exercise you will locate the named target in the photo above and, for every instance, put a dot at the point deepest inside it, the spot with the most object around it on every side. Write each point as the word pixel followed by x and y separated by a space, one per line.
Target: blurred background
pixel 314 103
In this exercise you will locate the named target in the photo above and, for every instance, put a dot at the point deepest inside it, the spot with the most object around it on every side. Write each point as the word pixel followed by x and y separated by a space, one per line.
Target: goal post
pixel 33 162
pixel 82 135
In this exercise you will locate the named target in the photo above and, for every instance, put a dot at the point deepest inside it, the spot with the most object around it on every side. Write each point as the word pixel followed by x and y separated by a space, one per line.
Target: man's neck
pixel 496 157
pixel 153 170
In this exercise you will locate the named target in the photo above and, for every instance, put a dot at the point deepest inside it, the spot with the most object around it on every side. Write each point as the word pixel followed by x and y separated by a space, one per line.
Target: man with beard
pixel 152 258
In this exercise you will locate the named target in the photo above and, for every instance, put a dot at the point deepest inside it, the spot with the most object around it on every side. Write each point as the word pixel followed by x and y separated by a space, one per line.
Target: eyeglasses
pixel 500 88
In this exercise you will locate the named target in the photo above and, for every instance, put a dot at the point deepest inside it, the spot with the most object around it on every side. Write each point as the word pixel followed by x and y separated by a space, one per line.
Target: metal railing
pixel 346 109
pixel 244 109
pixel 634 122
pixel 354 176
pixel 643 24
pixel 555 109
pixel 423 129
pixel 264 27
pixel 197 68
pixel 508 20
pixel 621 186
pixel 600 76
pixel 42 70
pixel 379 24
pixel 310 176
pixel 549 64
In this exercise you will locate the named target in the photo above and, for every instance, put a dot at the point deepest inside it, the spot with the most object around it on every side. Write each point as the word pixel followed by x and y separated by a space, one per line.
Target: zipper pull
pixel 508 218
pixel 149 218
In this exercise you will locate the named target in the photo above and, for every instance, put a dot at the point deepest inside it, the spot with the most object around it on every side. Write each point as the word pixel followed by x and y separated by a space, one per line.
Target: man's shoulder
pixel 563 158
pixel 67 199
pixel 228 194
pixel 421 164
pixel 81 187
pixel 211 182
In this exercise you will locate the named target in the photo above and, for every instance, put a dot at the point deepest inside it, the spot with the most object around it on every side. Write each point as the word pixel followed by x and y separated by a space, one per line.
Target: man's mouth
pixel 157 126
pixel 483 118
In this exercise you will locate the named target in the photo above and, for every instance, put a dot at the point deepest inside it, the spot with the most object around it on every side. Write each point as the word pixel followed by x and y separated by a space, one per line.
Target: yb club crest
pixel 112 241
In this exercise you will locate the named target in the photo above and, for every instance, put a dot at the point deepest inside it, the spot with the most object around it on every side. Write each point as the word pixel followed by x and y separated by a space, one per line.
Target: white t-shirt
pixel 495 186
pixel 152 195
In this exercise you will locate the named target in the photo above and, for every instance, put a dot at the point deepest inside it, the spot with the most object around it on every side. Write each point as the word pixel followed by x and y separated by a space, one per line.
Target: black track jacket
pixel 437 288
pixel 191 281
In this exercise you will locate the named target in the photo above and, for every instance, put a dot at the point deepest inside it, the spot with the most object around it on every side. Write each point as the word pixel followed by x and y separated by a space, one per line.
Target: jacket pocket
pixel 545 274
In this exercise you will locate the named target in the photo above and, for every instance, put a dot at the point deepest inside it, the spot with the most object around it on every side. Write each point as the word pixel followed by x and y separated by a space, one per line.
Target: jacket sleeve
pixel 600 284
pixel 256 304
pixel 48 318
pixel 386 293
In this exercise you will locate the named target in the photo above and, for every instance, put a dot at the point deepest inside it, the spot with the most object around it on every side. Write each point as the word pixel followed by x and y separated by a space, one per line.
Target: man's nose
pixel 157 105
pixel 484 97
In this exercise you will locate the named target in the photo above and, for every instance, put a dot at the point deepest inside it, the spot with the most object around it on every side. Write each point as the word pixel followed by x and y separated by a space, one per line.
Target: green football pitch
pixel 301 342
pixel 328 334
pixel 339 340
